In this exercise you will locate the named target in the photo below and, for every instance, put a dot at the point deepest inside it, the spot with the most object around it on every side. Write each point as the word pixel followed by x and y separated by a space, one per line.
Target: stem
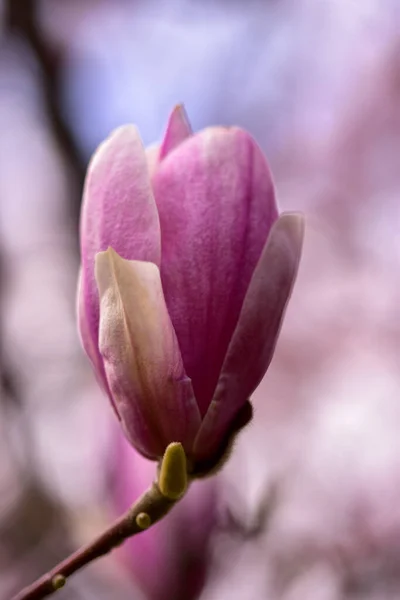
pixel 151 507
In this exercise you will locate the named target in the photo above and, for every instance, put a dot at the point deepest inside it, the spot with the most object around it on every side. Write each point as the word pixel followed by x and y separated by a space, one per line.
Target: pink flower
pixel 186 273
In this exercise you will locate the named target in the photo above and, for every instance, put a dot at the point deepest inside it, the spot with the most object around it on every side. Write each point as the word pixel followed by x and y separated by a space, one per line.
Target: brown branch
pixel 149 509
pixel 152 506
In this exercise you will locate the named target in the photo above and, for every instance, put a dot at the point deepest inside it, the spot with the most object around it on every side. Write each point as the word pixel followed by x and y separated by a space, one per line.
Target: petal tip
pixel 121 135
pixel 104 261
pixel 178 129
pixel 294 221
pixel 292 226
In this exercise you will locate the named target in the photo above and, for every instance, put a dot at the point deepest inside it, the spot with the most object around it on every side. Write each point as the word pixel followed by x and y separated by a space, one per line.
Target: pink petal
pixel 178 129
pixel 119 211
pixel 142 361
pixel 251 349
pixel 216 204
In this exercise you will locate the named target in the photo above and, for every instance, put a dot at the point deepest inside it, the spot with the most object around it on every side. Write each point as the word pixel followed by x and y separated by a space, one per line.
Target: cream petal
pixel 141 356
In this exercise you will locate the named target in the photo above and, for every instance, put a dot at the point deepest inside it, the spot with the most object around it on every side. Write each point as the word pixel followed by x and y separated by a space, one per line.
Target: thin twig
pixel 149 509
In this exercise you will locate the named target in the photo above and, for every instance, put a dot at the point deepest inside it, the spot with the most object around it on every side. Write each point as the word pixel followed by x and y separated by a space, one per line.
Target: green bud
pixel 173 473
pixel 143 520
pixel 58 581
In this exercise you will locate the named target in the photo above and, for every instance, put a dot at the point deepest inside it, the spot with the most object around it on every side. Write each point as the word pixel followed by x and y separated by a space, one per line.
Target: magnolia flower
pixel 186 272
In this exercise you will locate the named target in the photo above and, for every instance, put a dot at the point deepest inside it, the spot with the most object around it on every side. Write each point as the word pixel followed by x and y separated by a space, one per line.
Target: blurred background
pixel 308 506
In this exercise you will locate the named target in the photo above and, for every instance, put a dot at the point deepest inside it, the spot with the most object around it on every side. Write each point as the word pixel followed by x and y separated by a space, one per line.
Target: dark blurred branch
pixel 21 18
pixel 233 524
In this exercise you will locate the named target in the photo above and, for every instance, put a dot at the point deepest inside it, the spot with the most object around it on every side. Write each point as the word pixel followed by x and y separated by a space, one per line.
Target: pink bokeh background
pixel 307 506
